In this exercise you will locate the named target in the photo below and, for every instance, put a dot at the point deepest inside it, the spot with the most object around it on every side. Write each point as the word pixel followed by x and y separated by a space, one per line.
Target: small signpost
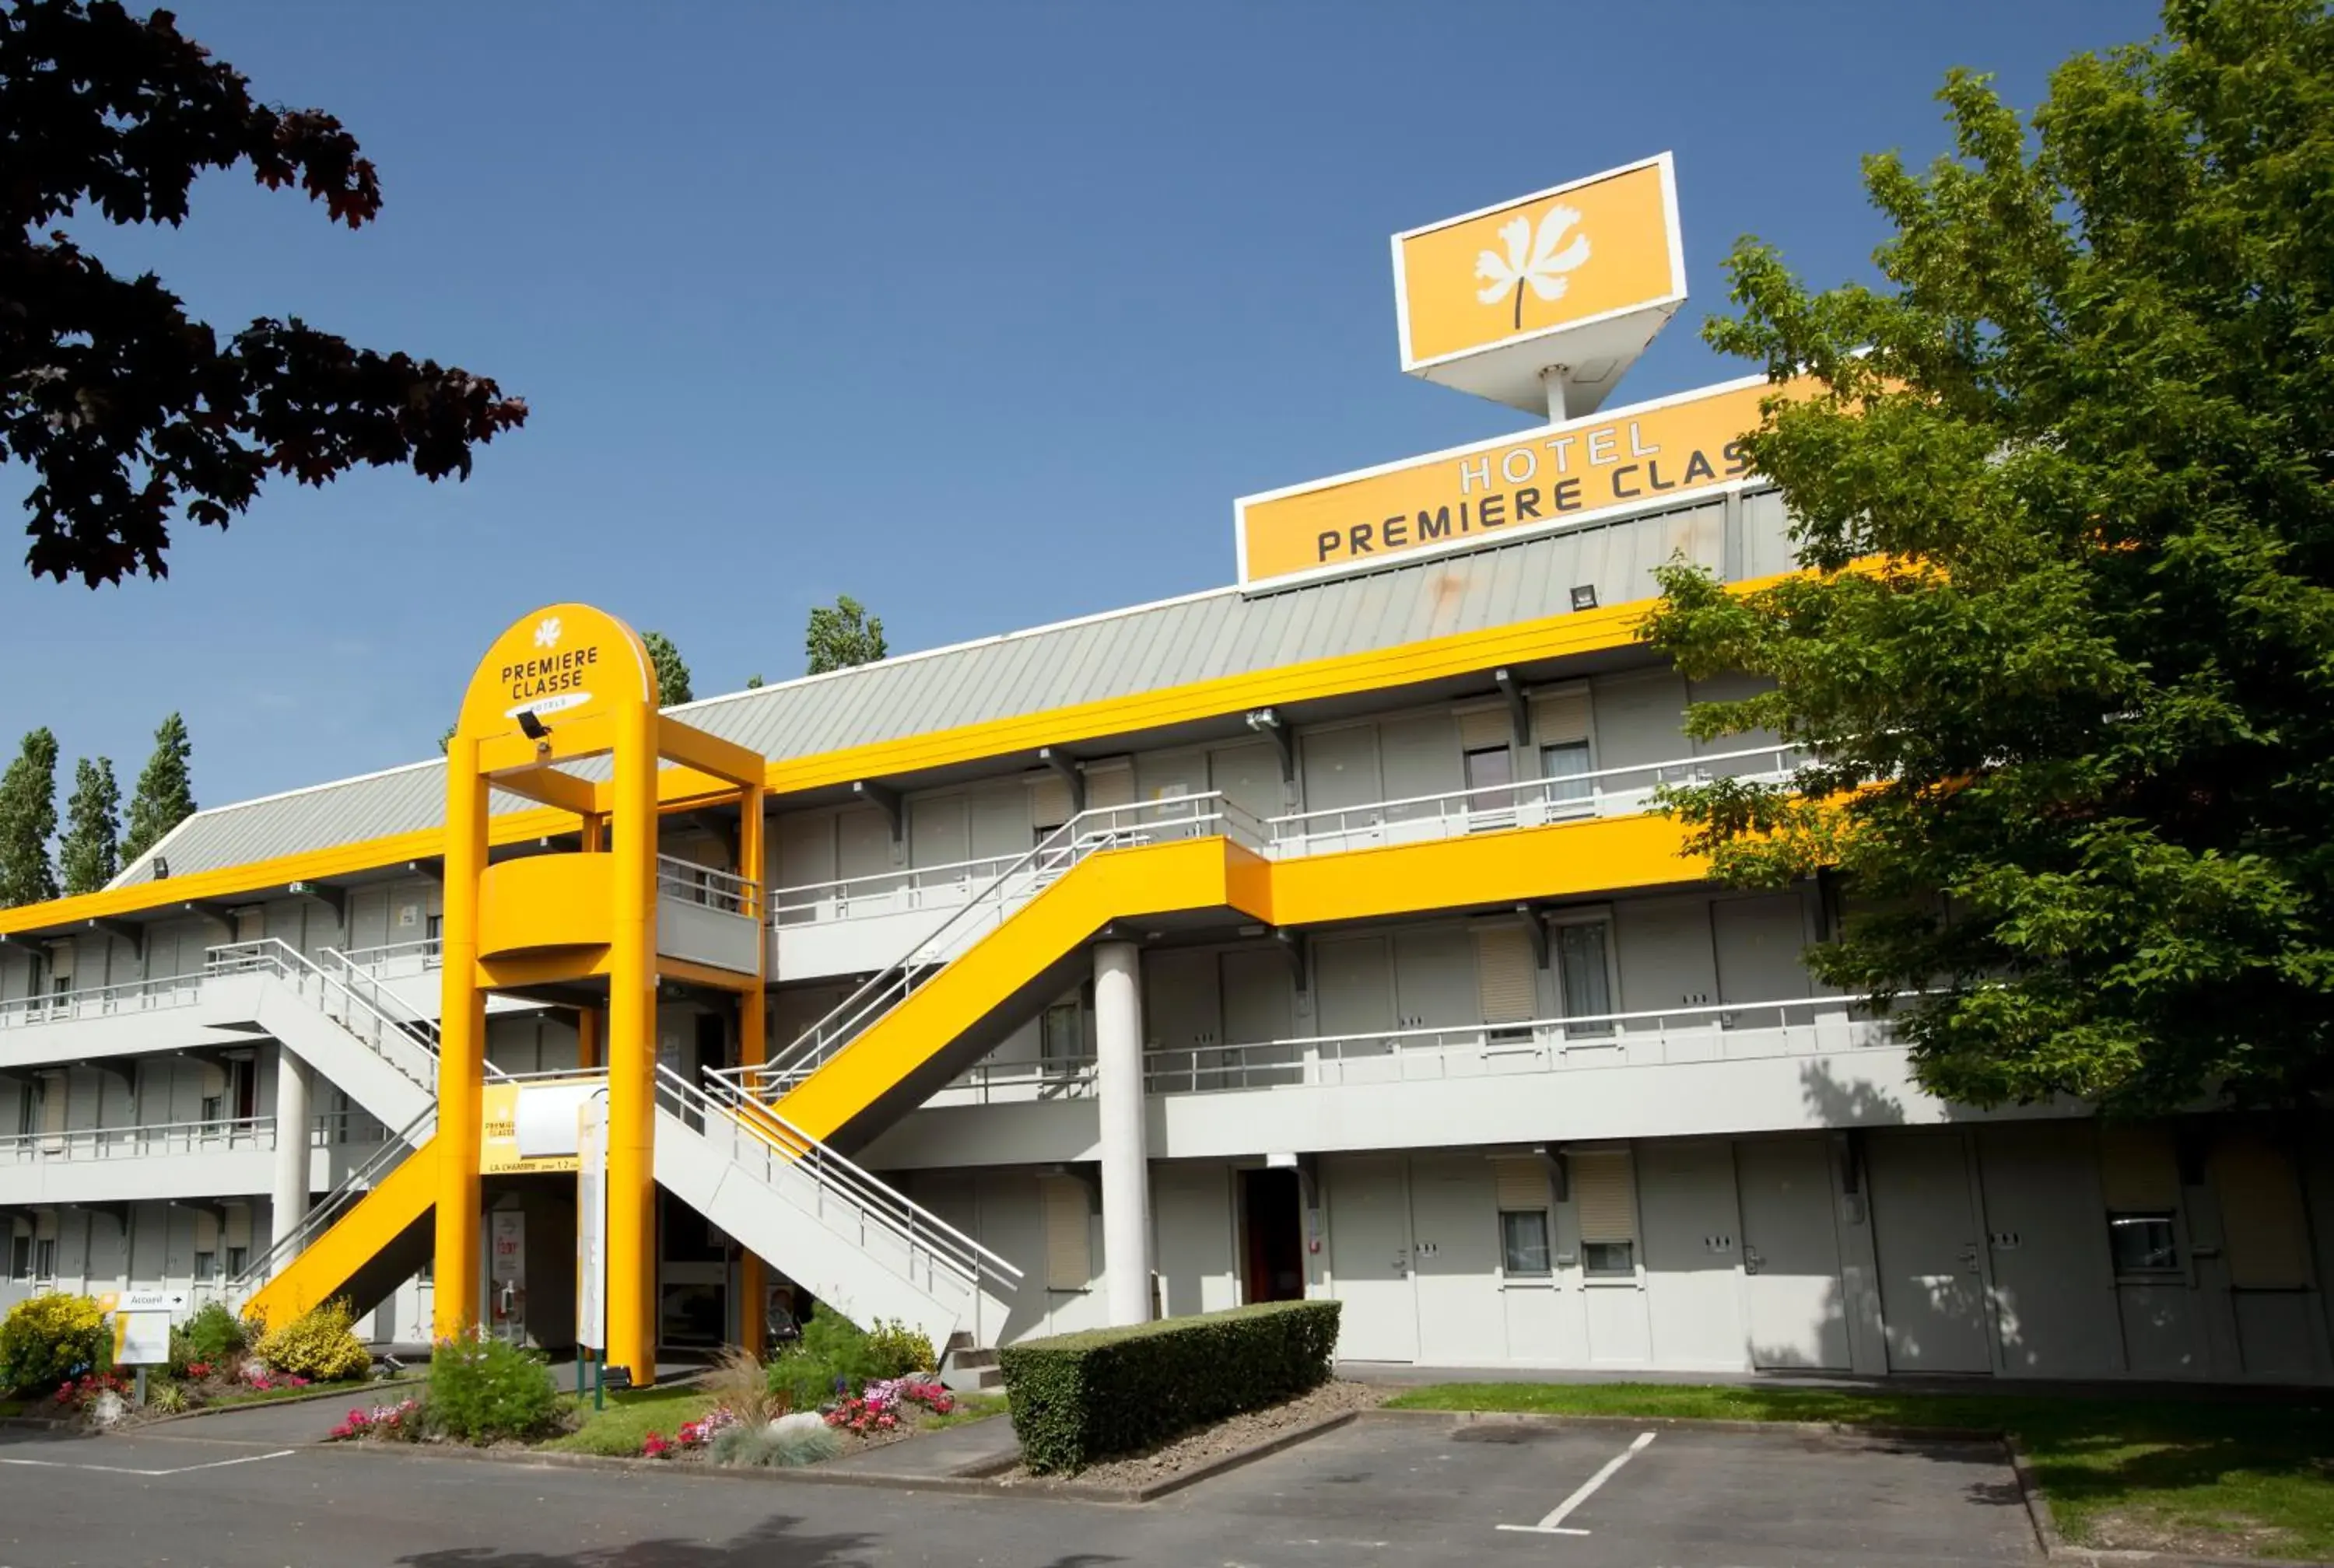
pixel 142 1329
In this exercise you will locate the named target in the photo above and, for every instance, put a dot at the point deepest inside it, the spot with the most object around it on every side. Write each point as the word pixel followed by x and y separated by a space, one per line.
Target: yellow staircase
pixel 377 1240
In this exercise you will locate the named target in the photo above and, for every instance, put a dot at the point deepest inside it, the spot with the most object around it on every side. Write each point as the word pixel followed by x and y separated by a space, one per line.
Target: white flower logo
pixel 547 634
pixel 1543 267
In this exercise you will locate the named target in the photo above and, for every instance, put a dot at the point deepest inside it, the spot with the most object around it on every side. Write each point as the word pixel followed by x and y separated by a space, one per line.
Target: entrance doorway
pixel 1272 1260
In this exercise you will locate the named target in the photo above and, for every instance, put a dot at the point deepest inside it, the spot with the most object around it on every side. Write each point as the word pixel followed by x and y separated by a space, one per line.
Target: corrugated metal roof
pixel 1148 647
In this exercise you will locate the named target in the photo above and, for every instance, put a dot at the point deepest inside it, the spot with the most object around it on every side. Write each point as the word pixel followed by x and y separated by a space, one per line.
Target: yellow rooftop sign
pixel 1578 276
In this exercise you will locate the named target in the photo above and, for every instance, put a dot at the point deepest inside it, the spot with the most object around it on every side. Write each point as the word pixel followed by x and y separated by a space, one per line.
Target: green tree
pixel 842 634
pixel 28 820
pixel 165 793
pixel 127 411
pixel 89 853
pixel 753 681
pixel 2065 655
pixel 672 673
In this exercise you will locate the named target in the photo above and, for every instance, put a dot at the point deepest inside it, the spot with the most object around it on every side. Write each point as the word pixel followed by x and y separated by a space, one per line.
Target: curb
pixel 243 1406
pixel 1698 1423
pixel 536 1459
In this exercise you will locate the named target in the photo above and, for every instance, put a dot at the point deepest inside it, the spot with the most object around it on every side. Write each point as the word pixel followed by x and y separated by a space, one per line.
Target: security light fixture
pixel 162 868
pixel 535 729
pixel 1584 596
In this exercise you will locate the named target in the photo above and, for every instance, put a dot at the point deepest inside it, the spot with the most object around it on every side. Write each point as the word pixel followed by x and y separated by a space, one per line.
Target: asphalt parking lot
pixel 1407 1491
pixel 1587 1495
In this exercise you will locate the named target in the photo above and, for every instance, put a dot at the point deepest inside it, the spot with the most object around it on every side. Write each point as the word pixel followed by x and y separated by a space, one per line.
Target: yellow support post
pixel 461 1045
pixel 587 1037
pixel 632 1051
pixel 753 1050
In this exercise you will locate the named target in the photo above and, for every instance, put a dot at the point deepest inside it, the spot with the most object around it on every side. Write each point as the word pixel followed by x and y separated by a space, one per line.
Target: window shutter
pixel 239 1225
pixel 1110 784
pixel 1521 1184
pixel 1504 974
pixel 1602 1185
pixel 2137 1170
pixel 207 1228
pixel 44 1225
pixel 214 1080
pixel 53 1102
pixel 1069 1264
pixel 1485 726
pixel 1560 716
pixel 1049 800
pixel 2261 1217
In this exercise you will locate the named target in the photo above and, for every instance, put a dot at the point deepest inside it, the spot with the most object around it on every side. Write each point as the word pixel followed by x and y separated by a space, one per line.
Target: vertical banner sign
pixel 507 1272
pixel 592 1222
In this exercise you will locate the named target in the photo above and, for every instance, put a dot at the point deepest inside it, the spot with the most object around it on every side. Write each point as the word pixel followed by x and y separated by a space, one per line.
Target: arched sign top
pixel 562 661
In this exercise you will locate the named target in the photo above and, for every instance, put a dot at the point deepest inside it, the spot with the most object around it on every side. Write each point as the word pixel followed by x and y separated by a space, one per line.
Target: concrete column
pixel 295 1086
pixel 1125 1156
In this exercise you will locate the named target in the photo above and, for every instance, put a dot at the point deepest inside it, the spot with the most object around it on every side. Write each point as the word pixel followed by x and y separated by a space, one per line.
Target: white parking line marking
pixel 1554 1523
pixel 128 1470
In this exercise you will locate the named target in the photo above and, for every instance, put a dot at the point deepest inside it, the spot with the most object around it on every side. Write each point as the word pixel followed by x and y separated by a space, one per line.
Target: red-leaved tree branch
pixel 130 411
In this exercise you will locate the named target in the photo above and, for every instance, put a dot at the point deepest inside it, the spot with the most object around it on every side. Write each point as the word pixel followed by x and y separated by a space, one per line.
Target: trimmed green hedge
pixel 1077 1398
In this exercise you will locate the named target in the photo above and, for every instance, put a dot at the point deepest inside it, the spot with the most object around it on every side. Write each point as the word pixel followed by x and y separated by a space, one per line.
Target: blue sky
pixel 983 315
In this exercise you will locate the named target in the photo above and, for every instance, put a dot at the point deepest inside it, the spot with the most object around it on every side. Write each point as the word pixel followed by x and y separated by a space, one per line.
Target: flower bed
pixel 883 1411
pixel 398 1423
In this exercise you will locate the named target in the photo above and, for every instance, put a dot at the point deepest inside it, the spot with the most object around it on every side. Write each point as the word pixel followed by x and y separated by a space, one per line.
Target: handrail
pixel 327 1209
pixel 272 955
pixel 376 993
pixel 786 1145
pixel 1054 855
pixel 708 885
pixel 1582 794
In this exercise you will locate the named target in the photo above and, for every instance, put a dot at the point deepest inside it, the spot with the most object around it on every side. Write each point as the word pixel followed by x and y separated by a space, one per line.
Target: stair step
pixel 959 1341
pixel 967 1358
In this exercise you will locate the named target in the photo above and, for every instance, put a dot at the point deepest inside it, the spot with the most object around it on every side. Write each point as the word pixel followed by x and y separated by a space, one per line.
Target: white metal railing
pixel 1736 1032
pixel 1525 802
pixel 135 1142
pixel 1010 1083
pixel 833 1190
pixel 356 1002
pixel 1670 1036
pixel 328 1209
pixel 403 958
pixel 887 892
pixel 715 890
pixel 102 1001
pixel 1102 828
pixel 142 1140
